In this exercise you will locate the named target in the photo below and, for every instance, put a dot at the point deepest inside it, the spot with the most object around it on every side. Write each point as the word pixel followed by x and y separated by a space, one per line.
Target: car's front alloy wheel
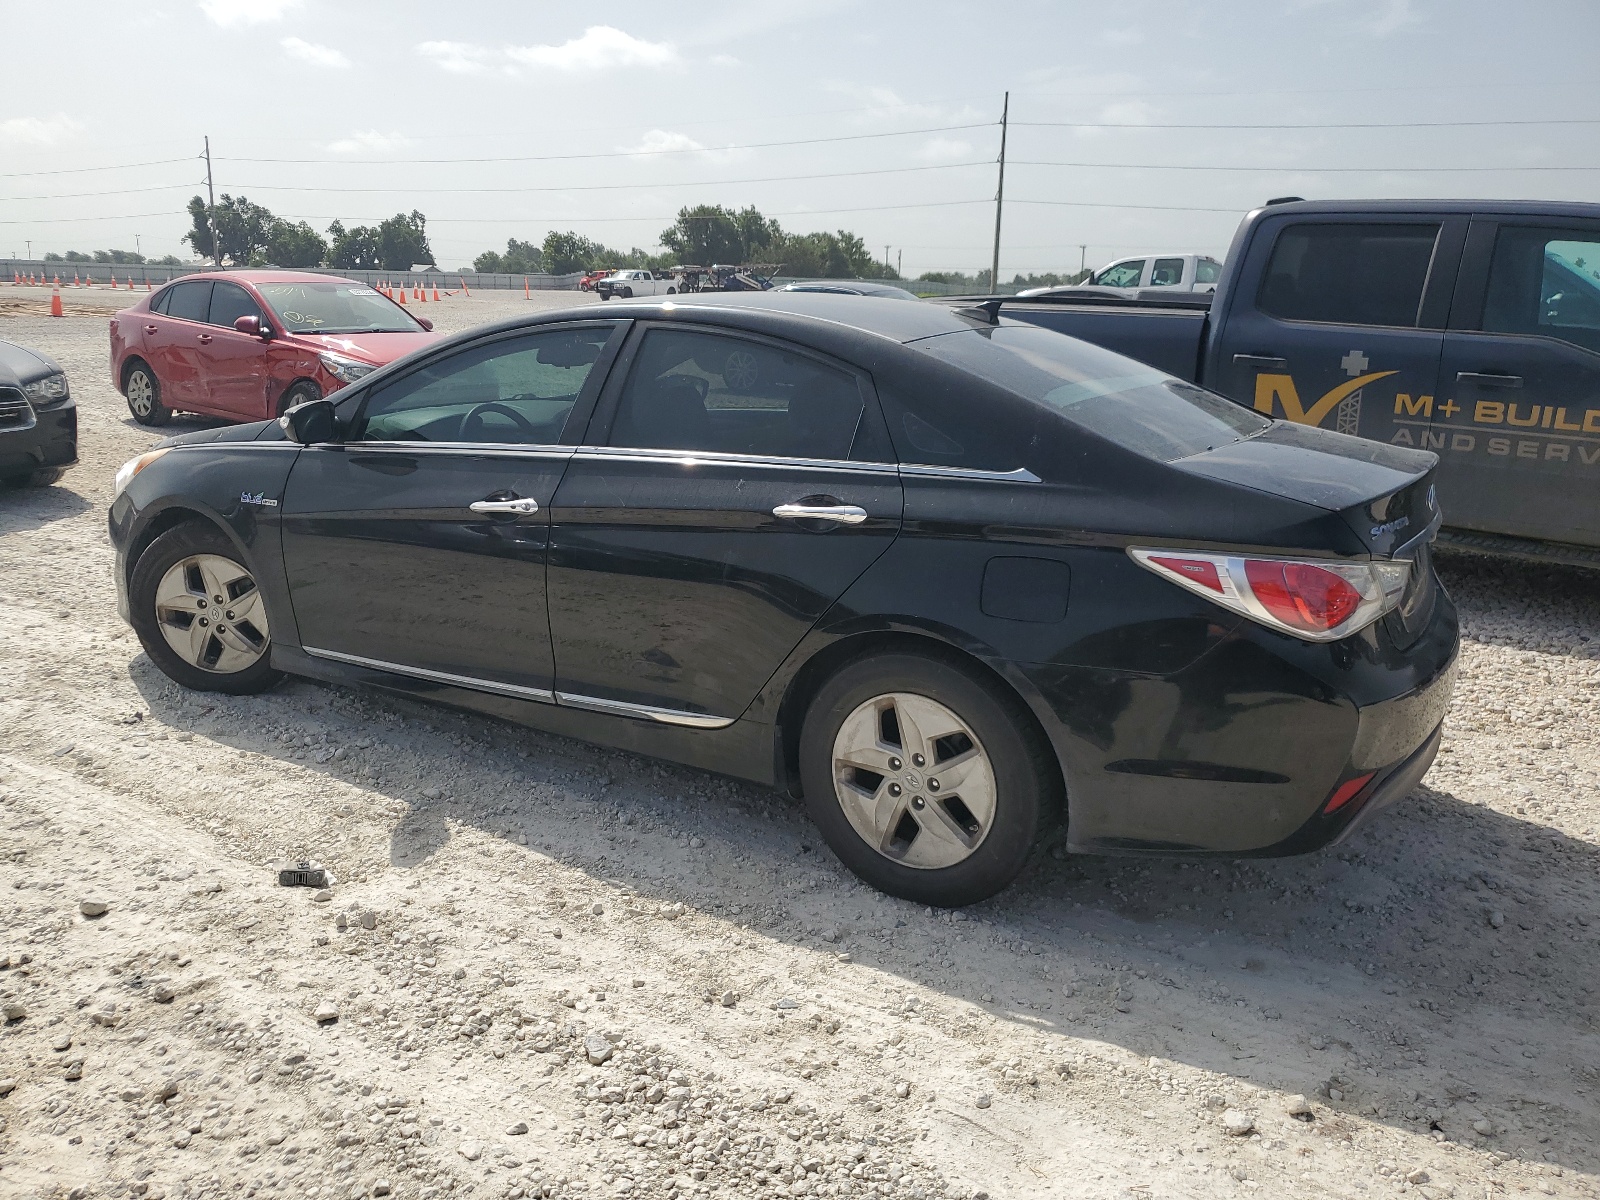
pixel 928 781
pixel 199 613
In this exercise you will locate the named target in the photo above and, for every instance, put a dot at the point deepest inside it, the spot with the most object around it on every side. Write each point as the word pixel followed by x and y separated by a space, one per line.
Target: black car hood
pixel 1316 466
pixel 255 431
pixel 19 365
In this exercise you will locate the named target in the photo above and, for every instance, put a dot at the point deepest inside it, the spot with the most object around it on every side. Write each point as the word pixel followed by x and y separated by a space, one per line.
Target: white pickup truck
pixel 637 282
pixel 1175 272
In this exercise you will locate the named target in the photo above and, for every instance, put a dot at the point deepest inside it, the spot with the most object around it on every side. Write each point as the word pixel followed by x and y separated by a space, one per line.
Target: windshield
pixel 335 308
pixel 1135 406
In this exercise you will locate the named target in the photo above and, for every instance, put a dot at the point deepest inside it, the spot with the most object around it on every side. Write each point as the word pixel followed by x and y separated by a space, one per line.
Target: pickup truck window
pixel 1207 270
pixel 1545 281
pixel 1122 274
pixel 1134 406
pixel 1167 272
pixel 1348 274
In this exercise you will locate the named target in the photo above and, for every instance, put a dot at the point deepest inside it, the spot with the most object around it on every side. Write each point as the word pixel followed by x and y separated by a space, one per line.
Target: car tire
pixel 143 392
pixel 627 293
pixel 1001 793
pixel 672 291
pixel 43 477
pixel 180 574
pixel 300 393
pixel 605 296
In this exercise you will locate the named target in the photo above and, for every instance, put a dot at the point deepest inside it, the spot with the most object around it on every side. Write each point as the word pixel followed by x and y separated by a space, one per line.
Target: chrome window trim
pixel 620 708
pixel 544 695
pixel 1020 475
pixel 666 716
pixel 723 459
pixel 534 449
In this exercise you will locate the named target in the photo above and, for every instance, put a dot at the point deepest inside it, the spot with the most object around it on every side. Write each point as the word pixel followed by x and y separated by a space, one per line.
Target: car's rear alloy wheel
pixel 144 397
pixel 199 614
pixel 928 782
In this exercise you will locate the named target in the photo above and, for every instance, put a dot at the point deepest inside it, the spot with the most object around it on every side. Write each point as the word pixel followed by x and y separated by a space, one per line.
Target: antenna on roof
pixel 1284 200
pixel 987 311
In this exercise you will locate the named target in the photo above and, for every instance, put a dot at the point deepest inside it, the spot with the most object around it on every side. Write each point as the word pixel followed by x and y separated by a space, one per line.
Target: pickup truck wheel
pixel 144 397
pixel 199 614
pixel 672 291
pixel 627 293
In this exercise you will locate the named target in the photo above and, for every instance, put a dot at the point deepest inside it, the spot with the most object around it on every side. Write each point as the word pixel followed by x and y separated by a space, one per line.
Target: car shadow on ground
pixel 1436 972
pixel 24 509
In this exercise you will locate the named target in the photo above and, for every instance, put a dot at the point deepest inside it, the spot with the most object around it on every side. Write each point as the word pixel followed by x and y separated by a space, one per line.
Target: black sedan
pixel 947 577
pixel 38 419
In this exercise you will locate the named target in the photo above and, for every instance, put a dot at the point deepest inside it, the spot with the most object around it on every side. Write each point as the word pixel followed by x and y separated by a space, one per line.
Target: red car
pixel 245 345
pixel 588 281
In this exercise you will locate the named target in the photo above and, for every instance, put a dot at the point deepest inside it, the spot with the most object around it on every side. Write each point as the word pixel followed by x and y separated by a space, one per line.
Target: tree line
pixel 250 235
pixel 115 257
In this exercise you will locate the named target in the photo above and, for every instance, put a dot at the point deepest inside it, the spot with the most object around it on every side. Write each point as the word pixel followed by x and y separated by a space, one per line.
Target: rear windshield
pixel 1125 402
pixel 335 308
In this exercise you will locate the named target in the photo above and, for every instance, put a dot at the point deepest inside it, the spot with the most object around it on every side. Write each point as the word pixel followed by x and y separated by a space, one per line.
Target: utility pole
pixel 211 203
pixel 886 260
pixel 137 248
pixel 1083 257
pixel 29 245
pixel 994 269
pixel 900 263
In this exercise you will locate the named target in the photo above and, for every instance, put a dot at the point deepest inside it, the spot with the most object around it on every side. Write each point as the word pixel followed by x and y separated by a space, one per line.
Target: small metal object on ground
pixel 303 874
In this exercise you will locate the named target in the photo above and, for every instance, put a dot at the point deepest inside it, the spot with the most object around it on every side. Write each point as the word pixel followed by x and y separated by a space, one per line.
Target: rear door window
pixel 1349 273
pixel 1167 272
pixel 229 302
pixel 1207 270
pixel 1545 281
pixel 709 392
pixel 190 301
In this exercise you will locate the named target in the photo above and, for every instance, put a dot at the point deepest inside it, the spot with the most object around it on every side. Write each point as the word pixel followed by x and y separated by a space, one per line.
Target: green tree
pixel 709 233
pixel 79 256
pixel 243 229
pixel 403 242
pixel 119 257
pixel 565 253
pixel 520 258
pixel 296 245
pixel 355 249
pixel 53 257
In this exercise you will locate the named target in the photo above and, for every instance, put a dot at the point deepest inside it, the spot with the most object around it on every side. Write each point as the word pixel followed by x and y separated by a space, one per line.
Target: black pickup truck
pixel 1471 329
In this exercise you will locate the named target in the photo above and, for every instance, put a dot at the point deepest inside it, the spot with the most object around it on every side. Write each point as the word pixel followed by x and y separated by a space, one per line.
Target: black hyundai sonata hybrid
pixel 947 577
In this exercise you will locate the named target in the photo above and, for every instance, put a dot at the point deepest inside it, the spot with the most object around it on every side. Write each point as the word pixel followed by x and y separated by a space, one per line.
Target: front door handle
pixel 1489 379
pixel 205 339
pixel 504 506
pixel 1262 362
pixel 151 329
pixel 843 514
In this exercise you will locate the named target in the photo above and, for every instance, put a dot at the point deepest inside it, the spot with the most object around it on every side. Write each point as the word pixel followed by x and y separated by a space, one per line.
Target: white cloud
pixel 232 13
pixel 600 46
pixel 311 52
pixel 369 139
pixel 460 57
pixel 943 149
pixel 658 140
pixel 38 131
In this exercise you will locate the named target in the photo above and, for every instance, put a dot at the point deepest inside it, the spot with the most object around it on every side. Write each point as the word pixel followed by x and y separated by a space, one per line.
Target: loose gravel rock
pixel 1431 983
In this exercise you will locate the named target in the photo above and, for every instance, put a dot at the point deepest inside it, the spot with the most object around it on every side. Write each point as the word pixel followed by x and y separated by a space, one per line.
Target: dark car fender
pixel 236 487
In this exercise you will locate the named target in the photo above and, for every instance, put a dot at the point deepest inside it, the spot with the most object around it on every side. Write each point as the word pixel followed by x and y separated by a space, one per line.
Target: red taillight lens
pixel 1197 570
pixel 1345 793
pixel 1300 595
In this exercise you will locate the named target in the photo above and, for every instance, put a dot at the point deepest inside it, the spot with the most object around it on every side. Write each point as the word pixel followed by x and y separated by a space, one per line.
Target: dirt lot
pixel 549 970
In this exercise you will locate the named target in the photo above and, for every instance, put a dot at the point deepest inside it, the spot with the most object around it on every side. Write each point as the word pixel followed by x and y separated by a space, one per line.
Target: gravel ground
pixel 550 970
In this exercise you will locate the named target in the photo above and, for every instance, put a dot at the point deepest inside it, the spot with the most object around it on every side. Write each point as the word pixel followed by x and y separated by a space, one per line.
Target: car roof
pixel 885 316
pixel 268 275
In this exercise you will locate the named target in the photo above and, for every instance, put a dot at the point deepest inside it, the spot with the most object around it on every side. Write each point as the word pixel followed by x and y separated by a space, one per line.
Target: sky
pixel 1144 125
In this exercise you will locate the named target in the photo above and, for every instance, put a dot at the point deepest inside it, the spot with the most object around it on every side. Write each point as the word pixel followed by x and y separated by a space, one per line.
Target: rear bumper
pixel 51 441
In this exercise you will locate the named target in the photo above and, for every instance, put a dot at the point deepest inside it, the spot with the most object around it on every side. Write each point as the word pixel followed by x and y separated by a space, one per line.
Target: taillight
pixel 1316 599
pixel 1345 793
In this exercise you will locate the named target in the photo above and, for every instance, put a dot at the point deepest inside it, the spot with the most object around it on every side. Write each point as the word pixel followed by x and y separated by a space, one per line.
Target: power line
pixel 604 187
pixel 79 220
pixel 159 162
pixel 166 187
pixel 853 137
pixel 1285 170
pixel 1143 207
pixel 1332 125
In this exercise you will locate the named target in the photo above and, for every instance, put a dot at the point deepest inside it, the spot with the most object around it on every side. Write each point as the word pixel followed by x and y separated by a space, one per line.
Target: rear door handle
pixel 151 329
pixel 1261 362
pixel 205 339
pixel 843 514
pixel 1489 379
pixel 504 506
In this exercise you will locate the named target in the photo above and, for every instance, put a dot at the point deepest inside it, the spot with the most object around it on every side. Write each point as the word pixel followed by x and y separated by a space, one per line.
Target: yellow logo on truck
pixel 1280 388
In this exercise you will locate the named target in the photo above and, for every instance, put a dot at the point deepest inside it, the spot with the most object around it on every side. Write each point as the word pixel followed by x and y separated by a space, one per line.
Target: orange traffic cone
pixel 422 293
pixel 416 292
pixel 526 294
pixel 55 302
pixel 130 283
pixel 436 292
pixel 76 282
pixel 58 283
pixel 147 286
pixel 400 295
pixel 464 291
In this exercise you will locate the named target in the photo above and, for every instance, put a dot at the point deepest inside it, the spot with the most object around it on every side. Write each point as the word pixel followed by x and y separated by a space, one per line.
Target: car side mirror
pixel 248 324
pixel 425 323
pixel 311 423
